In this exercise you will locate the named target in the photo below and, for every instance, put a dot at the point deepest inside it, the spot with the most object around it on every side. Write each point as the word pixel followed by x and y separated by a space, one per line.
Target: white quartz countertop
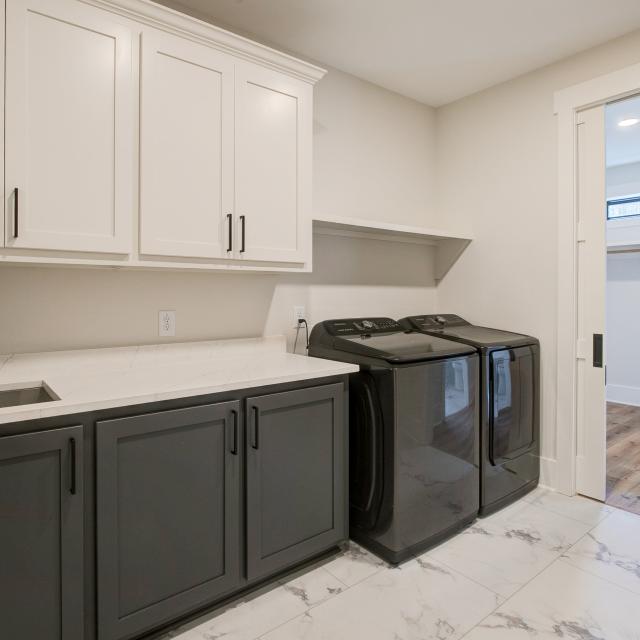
pixel 93 379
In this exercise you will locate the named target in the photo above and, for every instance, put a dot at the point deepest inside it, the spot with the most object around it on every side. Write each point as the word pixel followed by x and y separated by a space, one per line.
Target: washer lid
pixel 486 337
pixel 400 347
pixel 455 328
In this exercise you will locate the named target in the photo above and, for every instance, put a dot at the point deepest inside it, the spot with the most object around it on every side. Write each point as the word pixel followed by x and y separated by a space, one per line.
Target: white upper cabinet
pixel 68 139
pixel 273 164
pixel 186 148
pixel 138 136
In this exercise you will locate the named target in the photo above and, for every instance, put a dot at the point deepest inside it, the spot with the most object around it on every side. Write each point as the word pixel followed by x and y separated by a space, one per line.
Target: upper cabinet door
pixel 69 141
pixel 273 165
pixel 186 155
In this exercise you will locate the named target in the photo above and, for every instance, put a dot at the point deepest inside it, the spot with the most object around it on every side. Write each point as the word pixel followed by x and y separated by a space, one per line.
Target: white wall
pixel 497 171
pixel 623 180
pixel 373 157
pixel 374 153
pixel 623 328
pixel 47 309
pixel 623 293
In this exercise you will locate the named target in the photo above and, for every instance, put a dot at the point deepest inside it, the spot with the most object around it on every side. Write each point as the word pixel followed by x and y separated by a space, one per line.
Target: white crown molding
pixel 167 19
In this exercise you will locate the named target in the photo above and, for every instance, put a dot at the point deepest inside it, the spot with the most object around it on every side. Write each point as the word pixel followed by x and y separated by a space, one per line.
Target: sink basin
pixel 13 395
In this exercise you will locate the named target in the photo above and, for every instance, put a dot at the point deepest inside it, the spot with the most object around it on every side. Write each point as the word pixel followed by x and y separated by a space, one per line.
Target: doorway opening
pixel 622 136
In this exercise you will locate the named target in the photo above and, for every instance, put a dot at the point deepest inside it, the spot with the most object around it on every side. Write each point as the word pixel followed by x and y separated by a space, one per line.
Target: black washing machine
pixel 509 406
pixel 413 433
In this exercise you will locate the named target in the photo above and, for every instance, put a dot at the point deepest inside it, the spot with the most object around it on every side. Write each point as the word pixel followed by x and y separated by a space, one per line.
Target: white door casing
pixel 69 136
pixel 186 147
pixel 559 469
pixel 273 162
pixel 591 303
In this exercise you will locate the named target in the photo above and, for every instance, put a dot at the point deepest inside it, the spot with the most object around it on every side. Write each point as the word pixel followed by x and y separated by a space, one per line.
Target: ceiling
pixel 623 143
pixel 435 51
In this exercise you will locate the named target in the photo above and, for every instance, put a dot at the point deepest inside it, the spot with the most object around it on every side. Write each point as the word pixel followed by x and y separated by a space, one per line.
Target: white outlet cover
pixel 298 313
pixel 166 323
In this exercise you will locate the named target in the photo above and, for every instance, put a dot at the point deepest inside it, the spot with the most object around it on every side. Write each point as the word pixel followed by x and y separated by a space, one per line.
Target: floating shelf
pixel 448 246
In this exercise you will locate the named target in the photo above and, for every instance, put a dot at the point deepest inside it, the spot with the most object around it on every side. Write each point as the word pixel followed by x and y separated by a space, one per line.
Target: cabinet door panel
pixel 295 476
pixel 69 138
pixel 41 535
pixel 273 160
pixel 168 504
pixel 186 151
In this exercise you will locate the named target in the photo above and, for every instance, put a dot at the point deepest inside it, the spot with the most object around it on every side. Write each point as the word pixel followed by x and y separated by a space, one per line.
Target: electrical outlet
pixel 298 314
pixel 166 323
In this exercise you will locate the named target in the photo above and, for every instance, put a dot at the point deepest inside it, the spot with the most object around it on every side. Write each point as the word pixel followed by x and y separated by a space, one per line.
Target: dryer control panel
pixel 359 326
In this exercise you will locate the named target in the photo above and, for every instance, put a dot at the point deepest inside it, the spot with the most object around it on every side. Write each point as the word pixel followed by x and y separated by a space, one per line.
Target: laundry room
pixel 318 320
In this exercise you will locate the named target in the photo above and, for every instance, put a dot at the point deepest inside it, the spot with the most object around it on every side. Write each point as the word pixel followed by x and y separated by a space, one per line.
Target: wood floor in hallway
pixel 623 456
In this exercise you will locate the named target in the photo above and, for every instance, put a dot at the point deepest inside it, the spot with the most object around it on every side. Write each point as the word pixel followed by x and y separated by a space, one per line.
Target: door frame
pixel 567 103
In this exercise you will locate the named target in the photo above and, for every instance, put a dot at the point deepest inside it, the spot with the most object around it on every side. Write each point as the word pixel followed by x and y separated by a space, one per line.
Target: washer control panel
pixel 360 326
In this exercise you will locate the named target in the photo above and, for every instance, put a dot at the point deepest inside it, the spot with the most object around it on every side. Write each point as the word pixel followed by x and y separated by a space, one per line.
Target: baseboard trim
pixel 553 477
pixel 623 395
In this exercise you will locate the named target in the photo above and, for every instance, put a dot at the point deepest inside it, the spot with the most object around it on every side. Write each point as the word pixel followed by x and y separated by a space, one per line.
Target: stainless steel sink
pixel 13 396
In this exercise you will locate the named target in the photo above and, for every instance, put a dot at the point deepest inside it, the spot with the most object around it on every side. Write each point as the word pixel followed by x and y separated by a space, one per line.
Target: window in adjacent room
pixel 623 208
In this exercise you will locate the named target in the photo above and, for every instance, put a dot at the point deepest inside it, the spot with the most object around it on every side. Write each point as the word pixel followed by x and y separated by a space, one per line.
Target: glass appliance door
pixel 511 403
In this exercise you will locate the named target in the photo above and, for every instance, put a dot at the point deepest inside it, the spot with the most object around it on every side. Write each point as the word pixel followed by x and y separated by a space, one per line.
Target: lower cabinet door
pixel 296 474
pixel 168 504
pixel 41 535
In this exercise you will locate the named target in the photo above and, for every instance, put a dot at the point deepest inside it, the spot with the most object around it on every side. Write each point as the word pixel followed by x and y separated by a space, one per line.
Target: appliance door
pixel 511 403
pixel 365 451
pixel 436 450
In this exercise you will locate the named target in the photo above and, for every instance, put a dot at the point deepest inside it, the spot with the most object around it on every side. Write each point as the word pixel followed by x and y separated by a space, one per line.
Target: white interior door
pixel 273 161
pixel 186 148
pixel 69 115
pixel 592 276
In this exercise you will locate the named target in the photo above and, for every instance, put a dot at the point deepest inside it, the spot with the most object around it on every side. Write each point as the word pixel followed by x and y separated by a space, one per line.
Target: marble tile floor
pixel 547 567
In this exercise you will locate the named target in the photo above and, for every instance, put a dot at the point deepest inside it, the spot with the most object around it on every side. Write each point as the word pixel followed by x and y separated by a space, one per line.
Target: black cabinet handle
pixel 254 428
pixel 230 241
pixel 16 212
pixel 242 222
pixel 234 440
pixel 72 468
pixel 597 350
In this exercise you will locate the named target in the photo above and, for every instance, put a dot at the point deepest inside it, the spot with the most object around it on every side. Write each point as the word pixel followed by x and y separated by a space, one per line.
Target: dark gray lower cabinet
pixel 295 476
pixel 41 535
pixel 168 507
pixel 191 505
